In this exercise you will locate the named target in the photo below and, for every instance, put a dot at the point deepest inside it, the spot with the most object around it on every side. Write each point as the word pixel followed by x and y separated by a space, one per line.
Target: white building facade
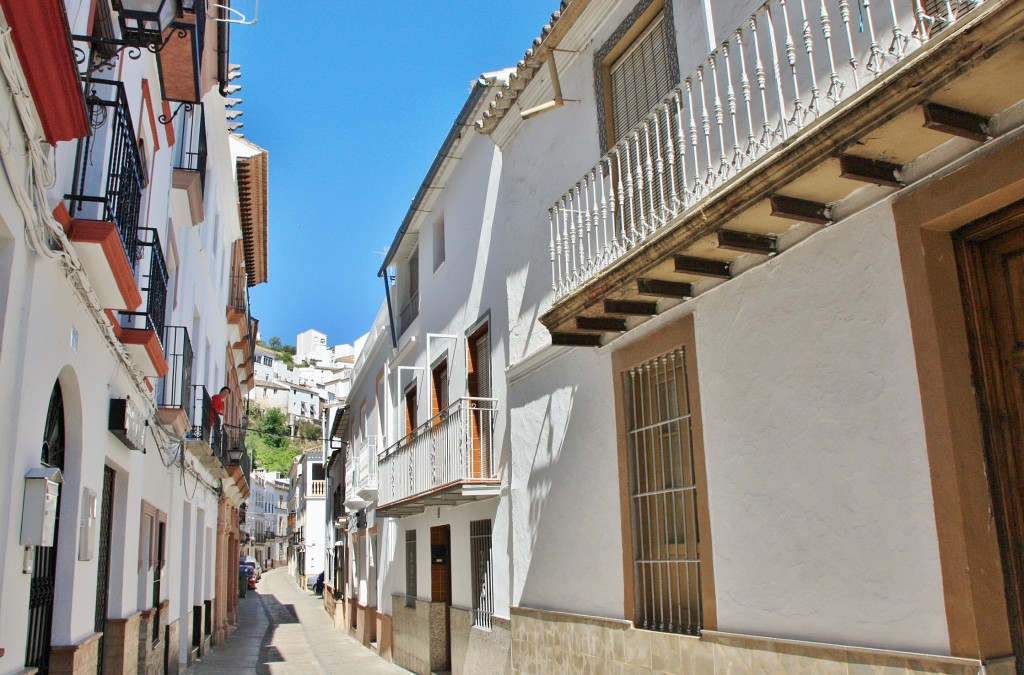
pixel 123 309
pixel 751 276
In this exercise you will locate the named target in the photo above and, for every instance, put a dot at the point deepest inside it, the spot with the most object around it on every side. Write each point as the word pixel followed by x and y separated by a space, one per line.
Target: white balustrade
pixel 454 445
pixel 758 88
pixel 366 479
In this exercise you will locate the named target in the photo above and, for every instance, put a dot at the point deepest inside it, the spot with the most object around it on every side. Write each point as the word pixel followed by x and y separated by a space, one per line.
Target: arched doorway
pixel 44 570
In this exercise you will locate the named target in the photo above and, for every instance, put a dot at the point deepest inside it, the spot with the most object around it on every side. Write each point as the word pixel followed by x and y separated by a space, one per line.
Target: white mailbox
pixel 39 508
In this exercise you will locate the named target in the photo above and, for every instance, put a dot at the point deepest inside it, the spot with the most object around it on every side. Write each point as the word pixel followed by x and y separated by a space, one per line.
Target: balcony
pixel 239 469
pixel 366 469
pixel 181 58
pixel 190 158
pixel 207 438
pixel 173 393
pixel 141 332
pixel 756 149
pixel 446 461
pixel 409 312
pixel 317 488
pixel 105 198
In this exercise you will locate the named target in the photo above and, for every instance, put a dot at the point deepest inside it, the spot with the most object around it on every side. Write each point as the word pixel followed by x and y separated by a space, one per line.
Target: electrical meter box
pixel 39 507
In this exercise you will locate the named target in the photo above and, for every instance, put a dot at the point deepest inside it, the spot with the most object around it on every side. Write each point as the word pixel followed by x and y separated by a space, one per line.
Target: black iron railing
pixel 238 294
pixel 201 414
pixel 153 286
pixel 409 312
pixel 177 383
pixel 109 175
pixel 190 153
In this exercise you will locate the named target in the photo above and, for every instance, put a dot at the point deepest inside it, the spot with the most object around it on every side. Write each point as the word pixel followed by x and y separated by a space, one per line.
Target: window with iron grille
pixel 663 496
pixel 410 568
pixel 482 569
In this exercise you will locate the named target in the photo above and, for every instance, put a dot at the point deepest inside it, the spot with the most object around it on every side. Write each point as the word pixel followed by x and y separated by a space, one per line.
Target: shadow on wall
pixel 570 556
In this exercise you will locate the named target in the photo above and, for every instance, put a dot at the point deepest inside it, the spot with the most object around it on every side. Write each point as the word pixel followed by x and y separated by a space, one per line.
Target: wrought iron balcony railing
pixel 190 151
pixel 453 446
pixel 207 425
pixel 176 388
pixel 409 313
pixel 238 294
pixel 787 65
pixel 109 174
pixel 153 285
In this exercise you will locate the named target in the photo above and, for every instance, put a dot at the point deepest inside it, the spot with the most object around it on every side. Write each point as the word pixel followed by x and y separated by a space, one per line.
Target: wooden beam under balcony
pixel 804 210
pixel 665 289
pixel 747 242
pixel 609 324
pixel 955 122
pixel 869 170
pixel 630 307
pixel 703 267
pixel 575 340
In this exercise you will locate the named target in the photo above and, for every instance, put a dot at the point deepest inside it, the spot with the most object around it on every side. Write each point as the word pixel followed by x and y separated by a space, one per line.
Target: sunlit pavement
pixel 284 630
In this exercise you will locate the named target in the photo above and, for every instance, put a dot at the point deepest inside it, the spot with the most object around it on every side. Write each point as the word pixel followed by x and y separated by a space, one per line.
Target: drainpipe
pixel 391 313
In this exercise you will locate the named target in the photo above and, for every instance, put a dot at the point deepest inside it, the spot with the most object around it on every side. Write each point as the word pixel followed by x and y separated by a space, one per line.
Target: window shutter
pixel 640 77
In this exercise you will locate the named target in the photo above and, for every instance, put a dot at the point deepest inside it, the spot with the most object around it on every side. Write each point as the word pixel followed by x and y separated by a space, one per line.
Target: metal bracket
pixel 164 119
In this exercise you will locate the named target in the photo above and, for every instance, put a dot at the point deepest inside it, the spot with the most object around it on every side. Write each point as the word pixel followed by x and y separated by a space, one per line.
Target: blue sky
pixel 353 100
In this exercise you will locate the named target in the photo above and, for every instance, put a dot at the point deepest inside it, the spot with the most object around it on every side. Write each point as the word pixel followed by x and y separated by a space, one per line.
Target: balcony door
pixel 991 258
pixel 478 384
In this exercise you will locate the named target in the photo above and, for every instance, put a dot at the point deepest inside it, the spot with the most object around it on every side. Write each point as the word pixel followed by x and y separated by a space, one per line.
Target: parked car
pixel 250 560
pixel 251 566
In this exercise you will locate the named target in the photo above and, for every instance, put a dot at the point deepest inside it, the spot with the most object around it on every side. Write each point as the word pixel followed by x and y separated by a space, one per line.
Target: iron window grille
pixel 410 568
pixel 663 496
pixel 482 571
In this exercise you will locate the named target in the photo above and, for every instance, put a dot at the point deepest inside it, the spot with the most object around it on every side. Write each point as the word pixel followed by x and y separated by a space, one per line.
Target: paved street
pixel 283 630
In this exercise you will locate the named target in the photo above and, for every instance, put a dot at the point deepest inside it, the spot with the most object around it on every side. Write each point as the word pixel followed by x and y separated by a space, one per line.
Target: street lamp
pixel 144 22
pixel 235 453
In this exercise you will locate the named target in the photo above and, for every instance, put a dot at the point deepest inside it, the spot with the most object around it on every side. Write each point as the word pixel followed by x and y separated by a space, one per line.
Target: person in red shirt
pixel 219 400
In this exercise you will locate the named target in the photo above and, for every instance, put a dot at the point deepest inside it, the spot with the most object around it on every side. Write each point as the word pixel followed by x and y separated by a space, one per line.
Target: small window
pixel 438 243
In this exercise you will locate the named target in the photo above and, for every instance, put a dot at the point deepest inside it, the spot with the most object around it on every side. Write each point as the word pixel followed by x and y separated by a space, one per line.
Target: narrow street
pixel 283 630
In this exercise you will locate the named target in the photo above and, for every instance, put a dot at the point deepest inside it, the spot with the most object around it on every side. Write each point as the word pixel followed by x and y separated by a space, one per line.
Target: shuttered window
pixel 640 77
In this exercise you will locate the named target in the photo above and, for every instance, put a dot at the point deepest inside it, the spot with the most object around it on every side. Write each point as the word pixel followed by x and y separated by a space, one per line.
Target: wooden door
pixel 991 258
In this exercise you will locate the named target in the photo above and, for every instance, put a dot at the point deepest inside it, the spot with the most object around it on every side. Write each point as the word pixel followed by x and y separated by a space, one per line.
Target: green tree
pixel 309 431
pixel 270 441
pixel 274 342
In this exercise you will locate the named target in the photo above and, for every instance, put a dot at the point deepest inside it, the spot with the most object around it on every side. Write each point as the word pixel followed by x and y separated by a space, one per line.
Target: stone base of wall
pixel 171 641
pixel 151 652
pixel 545 642
pixel 410 644
pixel 418 640
pixel 479 650
pixel 80 658
pixel 384 636
pixel 365 630
pixel 121 645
